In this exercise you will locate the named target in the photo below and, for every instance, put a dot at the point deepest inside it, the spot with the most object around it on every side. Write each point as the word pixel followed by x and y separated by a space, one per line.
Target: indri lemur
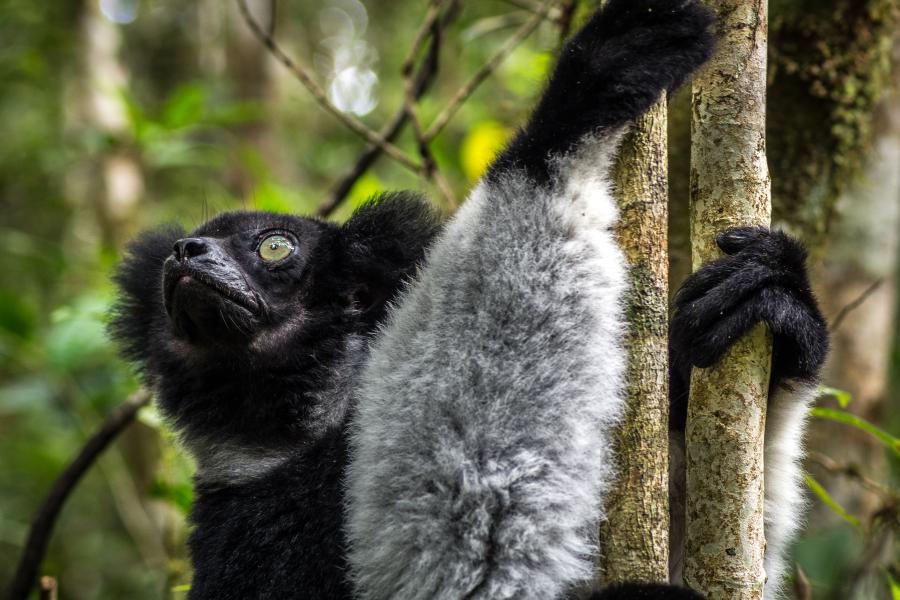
pixel 395 408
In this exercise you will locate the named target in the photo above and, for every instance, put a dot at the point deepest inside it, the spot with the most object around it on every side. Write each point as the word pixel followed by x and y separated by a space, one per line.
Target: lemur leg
pixel 762 279
pixel 482 437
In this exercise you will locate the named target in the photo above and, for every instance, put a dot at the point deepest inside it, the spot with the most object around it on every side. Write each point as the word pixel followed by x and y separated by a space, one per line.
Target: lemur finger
pixel 735 239
pixel 800 334
pixel 726 294
pixel 705 346
pixel 781 261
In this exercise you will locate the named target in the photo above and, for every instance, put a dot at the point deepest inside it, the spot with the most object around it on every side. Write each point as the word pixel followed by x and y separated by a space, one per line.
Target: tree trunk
pixel 725 539
pixel 636 533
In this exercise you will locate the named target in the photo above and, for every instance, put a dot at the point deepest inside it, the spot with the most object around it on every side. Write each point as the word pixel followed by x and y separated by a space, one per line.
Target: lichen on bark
pixel 725 539
pixel 636 532
pixel 829 67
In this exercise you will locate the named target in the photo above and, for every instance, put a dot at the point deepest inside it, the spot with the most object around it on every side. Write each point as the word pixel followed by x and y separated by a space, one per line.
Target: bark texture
pixel 730 186
pixel 829 68
pixel 636 533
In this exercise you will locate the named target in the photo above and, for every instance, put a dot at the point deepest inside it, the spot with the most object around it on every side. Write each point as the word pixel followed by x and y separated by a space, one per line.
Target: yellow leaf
pixel 480 147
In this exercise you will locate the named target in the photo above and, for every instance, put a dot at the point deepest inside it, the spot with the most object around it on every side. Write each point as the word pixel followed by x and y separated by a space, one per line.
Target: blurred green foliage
pixel 204 121
pixel 208 123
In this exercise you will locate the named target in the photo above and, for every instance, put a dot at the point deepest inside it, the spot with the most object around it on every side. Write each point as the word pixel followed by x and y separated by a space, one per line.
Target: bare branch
pixel 425 30
pixel 48 588
pixel 567 16
pixel 802 587
pixel 42 525
pixel 431 169
pixel 846 310
pixel 424 78
pixel 489 67
pixel 851 471
pixel 273 16
pixel 555 14
pixel 308 81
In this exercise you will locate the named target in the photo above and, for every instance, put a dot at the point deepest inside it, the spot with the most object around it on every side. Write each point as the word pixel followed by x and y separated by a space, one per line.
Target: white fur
pixel 482 435
pixel 785 427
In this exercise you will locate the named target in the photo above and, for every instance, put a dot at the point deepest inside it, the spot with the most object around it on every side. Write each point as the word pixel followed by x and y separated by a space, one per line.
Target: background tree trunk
pixel 636 533
pixel 725 539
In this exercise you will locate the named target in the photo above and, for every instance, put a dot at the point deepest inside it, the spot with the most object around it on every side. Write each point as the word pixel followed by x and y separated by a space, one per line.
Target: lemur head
pixel 241 324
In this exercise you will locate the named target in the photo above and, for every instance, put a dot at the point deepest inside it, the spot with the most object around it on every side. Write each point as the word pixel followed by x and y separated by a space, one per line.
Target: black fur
pixel 645 591
pixel 261 359
pixel 762 278
pixel 278 536
pixel 610 72
pixel 275 537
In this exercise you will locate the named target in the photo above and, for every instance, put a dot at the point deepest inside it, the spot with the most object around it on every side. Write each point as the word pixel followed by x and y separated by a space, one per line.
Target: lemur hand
pixel 762 279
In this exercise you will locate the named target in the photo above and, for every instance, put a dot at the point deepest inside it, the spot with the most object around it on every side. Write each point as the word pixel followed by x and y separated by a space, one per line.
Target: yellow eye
pixel 275 247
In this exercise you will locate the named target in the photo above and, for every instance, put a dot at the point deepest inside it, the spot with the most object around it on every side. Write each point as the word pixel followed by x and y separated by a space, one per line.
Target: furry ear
pixel 139 307
pixel 384 243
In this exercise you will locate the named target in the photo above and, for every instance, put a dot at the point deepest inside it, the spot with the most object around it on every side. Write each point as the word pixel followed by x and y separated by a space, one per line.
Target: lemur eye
pixel 275 247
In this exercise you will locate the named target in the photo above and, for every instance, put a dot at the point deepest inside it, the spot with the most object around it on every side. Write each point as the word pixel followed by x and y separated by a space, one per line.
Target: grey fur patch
pixel 482 434
pixel 233 465
pixel 226 464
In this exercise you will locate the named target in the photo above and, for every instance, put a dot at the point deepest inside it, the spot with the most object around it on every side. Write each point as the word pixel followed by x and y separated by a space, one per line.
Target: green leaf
pixel 77 337
pixel 895 587
pixel 843 397
pixel 830 502
pixel 480 146
pixel 180 494
pixel 137 118
pixel 17 317
pixel 185 107
pixel 844 417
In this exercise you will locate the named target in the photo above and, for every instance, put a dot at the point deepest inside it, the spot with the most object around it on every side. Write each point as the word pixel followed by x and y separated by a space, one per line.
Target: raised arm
pixel 481 445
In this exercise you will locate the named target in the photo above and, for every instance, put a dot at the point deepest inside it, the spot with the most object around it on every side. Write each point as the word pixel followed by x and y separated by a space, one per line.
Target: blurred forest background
pixel 122 114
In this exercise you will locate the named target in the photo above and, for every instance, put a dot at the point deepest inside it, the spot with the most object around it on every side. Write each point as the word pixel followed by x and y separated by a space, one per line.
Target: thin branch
pixel 309 82
pixel 424 78
pixel 852 472
pixel 802 587
pixel 48 588
pixel 431 169
pixel 844 312
pixel 555 14
pixel 489 67
pixel 425 30
pixel 566 19
pixel 273 16
pixel 42 525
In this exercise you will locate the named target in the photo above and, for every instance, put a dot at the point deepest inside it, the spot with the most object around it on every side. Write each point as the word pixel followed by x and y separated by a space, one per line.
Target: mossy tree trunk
pixel 636 533
pixel 725 539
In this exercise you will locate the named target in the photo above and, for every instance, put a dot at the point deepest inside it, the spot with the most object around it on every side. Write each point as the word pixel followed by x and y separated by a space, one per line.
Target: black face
pixel 241 274
pixel 245 325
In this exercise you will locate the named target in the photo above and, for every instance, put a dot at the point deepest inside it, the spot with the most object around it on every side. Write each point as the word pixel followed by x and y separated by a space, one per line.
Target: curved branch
pixel 540 14
pixel 424 78
pixel 42 526
pixel 309 82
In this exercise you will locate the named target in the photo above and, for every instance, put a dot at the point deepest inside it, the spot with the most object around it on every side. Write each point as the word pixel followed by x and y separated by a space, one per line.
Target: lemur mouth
pixel 179 276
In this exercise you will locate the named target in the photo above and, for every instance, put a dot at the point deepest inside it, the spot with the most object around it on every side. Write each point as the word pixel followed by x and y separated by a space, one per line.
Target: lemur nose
pixel 190 247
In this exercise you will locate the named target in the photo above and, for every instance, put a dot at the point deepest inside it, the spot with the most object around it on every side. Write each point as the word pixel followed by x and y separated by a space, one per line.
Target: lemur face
pixel 243 324
pixel 243 276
